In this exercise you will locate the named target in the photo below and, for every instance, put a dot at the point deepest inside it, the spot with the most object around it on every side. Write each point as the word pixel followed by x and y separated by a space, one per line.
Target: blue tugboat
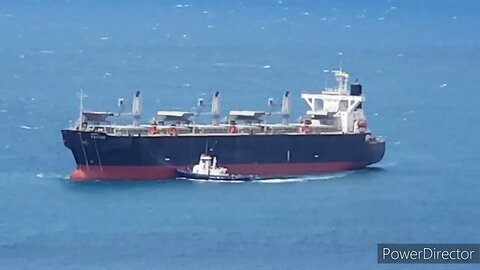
pixel 207 169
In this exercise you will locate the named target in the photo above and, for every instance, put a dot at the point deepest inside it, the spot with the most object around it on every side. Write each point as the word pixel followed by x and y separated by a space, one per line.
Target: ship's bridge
pixel 337 107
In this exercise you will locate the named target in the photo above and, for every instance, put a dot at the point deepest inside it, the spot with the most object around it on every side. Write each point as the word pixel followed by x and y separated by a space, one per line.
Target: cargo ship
pixel 331 136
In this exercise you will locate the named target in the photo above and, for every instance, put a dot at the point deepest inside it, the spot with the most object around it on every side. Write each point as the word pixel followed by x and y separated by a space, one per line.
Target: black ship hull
pixel 108 157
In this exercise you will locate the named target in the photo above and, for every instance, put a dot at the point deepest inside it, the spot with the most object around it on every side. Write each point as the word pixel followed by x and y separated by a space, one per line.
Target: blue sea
pixel 418 62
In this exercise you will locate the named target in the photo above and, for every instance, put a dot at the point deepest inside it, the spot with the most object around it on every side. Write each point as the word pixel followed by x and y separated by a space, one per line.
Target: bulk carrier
pixel 331 136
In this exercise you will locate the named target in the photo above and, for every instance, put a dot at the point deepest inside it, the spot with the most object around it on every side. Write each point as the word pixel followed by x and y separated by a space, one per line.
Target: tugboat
pixel 207 169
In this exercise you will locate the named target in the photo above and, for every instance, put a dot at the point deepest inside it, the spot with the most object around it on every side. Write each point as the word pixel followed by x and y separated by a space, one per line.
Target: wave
pixel 50 175
pixel 29 127
pixel 278 180
pixel 302 178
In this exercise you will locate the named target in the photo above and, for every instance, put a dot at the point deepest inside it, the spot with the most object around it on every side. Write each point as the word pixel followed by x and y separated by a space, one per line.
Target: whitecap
pixel 3 111
pixel 301 179
pixel 26 127
pixel 325 176
pixel 47 52
pixel 386 165
pixel 21 56
pixel 280 181
pixel 397 143
pixel 205 12
pixel 103 38
pixel 306 13
pixel 182 6
pixel 443 85
pixel 210 26
pixel 50 175
pixel 266 67
pixel 381 18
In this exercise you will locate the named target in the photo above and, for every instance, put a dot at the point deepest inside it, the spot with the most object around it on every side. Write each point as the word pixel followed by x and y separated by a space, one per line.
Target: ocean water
pixel 418 62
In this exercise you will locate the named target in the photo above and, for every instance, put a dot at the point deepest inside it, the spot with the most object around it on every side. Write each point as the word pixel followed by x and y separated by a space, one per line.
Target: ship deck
pixel 211 130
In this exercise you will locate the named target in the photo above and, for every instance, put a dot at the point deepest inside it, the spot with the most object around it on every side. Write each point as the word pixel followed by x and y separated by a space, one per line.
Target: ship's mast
pixel 137 109
pixel 215 108
pixel 342 80
pixel 79 124
pixel 286 108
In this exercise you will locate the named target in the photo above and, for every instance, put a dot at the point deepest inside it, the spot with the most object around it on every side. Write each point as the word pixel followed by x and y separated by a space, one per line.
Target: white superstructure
pixel 207 165
pixel 337 106
pixel 335 110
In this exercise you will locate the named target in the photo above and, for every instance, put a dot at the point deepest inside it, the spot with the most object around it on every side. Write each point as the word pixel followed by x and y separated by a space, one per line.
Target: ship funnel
pixel 286 108
pixel 216 108
pixel 137 109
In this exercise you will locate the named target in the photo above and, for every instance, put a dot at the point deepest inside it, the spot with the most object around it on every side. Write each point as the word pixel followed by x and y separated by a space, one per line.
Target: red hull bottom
pixel 162 172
